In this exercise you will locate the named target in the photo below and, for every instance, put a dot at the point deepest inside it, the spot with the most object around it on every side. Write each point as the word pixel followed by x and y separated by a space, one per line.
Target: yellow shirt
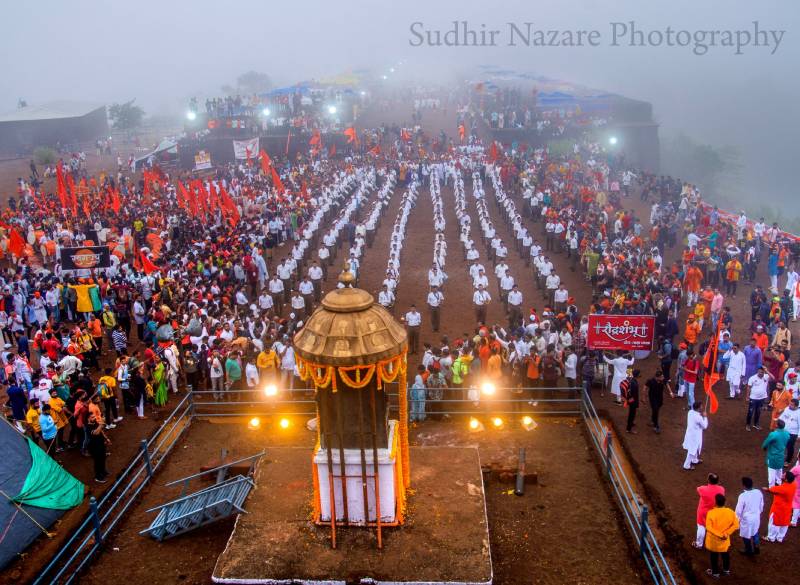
pixel 109 381
pixel 267 360
pixel 720 522
pixel 494 366
pixel 57 412
pixel 32 417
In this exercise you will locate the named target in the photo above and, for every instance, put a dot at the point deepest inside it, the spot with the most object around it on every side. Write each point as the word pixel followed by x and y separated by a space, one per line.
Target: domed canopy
pixel 350 329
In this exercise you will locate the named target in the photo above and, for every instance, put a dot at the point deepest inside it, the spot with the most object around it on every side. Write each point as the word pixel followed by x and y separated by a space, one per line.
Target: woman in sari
pixel 160 383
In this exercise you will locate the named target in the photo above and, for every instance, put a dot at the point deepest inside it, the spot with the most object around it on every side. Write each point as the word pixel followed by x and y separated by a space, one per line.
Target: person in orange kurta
pixel 721 523
pixel 692 330
pixel 781 399
pixel 707 296
pixel 691 282
pixel 780 513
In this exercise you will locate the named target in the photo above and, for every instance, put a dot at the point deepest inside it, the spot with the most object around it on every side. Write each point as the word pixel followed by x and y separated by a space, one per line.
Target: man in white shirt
pixel 316 274
pixel 413 320
pixel 506 284
pixel 306 289
pixel 757 393
pixel 386 298
pixel 515 307
pixel 551 284
pixel 481 299
pixel 560 298
pixel 276 289
pixel 435 300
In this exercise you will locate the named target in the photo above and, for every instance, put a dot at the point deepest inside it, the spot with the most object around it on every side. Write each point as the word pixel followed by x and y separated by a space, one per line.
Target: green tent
pixel 48 485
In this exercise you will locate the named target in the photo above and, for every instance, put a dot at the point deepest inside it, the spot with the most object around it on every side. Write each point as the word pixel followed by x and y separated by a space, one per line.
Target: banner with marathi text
pixel 625 332
pixel 85 257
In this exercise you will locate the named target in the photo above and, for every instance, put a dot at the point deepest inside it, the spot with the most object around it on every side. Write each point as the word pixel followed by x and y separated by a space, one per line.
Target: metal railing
pixel 634 510
pixel 106 513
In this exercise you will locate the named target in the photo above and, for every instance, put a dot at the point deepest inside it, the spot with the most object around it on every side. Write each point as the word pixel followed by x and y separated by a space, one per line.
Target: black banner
pixel 85 257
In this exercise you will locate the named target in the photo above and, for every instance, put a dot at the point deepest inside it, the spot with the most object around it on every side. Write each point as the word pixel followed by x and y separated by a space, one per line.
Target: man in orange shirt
pixel 692 330
pixel 691 282
pixel 761 339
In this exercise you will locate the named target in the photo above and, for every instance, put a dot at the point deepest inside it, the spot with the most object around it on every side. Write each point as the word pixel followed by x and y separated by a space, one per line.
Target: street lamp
pixel 613 140
pixel 191 115
pixel 331 110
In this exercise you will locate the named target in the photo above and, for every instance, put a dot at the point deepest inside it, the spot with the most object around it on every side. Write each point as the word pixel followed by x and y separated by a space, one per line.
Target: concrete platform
pixel 445 538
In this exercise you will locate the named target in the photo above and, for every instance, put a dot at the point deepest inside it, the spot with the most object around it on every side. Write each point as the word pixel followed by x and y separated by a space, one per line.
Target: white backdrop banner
pixel 242 147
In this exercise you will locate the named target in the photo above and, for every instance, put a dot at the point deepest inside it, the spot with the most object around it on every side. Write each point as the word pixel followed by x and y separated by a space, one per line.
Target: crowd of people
pixel 209 278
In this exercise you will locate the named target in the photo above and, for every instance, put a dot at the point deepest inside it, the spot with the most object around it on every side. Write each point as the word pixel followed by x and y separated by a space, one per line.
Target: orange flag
pixel 147 264
pixel 266 163
pixel 16 244
pixel 276 181
pixel 351 135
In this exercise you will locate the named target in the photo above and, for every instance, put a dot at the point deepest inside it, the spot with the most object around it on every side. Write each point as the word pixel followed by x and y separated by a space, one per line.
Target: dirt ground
pixel 555 533
pixel 729 450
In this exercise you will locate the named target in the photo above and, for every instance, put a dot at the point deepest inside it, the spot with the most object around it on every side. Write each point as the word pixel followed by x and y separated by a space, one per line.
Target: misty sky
pixel 162 52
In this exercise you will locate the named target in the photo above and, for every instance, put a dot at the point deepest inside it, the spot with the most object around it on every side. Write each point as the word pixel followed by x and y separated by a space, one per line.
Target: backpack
pixel 104 391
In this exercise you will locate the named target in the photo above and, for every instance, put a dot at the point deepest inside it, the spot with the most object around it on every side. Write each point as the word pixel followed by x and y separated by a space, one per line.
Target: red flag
pixel 316 138
pixel 375 149
pixel 16 244
pixel 229 206
pixel 493 151
pixel 266 163
pixel 61 189
pixel 404 135
pixel 86 207
pixel 247 154
pixel 147 264
pixel 115 202
pixel 711 376
pixel 73 197
pixel 276 181
pixel 351 135
pixel 461 132
pixel 212 198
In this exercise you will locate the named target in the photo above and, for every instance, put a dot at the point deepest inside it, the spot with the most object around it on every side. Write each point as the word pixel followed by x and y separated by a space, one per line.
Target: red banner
pixel 627 332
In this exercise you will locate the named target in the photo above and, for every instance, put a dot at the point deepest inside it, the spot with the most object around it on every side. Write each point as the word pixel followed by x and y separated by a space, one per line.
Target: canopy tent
pixel 302 88
pixel 167 145
pixel 34 492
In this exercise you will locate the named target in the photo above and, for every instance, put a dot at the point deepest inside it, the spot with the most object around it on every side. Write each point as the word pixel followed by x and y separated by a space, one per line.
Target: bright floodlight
pixel 612 141
pixel 497 422
pixel 487 388
pixel 331 109
pixel 270 390
pixel 363 92
pixel 528 423
pixel 526 420
pixel 254 423
pixel 265 111
pixel 386 77
pixel 284 423
pixel 391 70
pixel 191 115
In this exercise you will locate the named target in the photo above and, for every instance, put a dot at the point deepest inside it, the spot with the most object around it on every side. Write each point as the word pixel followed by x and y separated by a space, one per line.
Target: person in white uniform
pixel 620 365
pixel 736 369
pixel 696 423
pixel 748 509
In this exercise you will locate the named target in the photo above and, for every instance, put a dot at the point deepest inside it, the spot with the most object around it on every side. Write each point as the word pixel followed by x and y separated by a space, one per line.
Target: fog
pixel 163 52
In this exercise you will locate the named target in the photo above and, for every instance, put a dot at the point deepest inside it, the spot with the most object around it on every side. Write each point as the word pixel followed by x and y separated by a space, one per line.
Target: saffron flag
pixel 147 264
pixel 351 135
pixel 276 181
pixel 266 163
pixel 115 202
pixel 316 138
pixel 404 135
pixel 61 188
pixel 462 132
pixel 16 244
pixel 375 149
pixel 711 376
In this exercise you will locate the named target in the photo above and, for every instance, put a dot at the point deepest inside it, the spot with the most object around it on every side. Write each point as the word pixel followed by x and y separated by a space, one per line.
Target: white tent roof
pixel 50 111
